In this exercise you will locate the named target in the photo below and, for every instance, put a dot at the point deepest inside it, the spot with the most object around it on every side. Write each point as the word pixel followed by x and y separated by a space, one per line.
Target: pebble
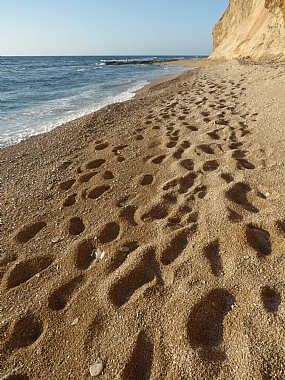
pixel 125 249
pixel 98 254
pixel 96 369
pixel 75 322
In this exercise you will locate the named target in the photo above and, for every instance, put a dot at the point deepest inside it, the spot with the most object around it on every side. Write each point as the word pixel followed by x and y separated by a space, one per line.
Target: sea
pixel 40 93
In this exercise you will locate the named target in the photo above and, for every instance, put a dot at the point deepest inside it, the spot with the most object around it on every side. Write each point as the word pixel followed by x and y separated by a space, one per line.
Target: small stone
pixel 75 322
pixel 125 249
pixel 96 369
pixel 267 195
pixel 96 253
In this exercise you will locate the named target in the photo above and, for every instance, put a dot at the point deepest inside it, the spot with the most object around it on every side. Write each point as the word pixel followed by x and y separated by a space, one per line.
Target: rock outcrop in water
pixel 251 29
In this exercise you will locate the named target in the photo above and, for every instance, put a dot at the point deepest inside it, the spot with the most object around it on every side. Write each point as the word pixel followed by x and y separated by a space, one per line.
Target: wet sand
pixel 149 237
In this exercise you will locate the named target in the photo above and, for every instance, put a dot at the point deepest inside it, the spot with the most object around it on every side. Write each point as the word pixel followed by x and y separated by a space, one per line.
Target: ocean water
pixel 40 93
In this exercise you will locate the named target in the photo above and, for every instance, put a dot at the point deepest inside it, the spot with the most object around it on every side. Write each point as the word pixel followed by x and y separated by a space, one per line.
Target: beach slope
pixel 147 240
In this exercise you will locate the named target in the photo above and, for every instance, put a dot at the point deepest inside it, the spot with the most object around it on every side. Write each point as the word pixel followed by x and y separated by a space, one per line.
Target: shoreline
pixel 163 78
pixel 182 189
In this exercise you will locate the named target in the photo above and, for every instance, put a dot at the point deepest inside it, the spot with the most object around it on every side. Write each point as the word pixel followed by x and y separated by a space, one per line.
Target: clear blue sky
pixel 108 27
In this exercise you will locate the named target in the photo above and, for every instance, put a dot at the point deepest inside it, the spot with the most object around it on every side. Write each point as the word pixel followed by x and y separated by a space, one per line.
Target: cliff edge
pixel 252 29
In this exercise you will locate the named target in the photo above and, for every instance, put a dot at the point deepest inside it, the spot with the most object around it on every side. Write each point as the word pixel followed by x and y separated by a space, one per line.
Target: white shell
pixel 96 369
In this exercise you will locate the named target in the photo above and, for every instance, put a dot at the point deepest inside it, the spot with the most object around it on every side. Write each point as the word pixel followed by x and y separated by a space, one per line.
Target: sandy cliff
pixel 251 28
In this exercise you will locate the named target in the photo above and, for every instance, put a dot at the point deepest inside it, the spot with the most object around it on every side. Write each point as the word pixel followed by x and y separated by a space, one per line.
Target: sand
pixel 148 238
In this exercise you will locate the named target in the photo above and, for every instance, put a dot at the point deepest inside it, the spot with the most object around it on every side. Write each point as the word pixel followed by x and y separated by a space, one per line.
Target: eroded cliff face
pixel 251 29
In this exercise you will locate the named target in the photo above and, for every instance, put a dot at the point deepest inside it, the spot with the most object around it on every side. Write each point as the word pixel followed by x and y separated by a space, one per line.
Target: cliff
pixel 251 29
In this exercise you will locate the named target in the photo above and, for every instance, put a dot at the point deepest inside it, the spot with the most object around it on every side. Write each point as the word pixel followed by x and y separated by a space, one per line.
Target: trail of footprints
pixel 133 271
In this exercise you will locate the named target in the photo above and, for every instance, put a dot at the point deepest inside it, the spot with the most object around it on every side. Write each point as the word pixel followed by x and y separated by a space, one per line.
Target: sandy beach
pixel 147 240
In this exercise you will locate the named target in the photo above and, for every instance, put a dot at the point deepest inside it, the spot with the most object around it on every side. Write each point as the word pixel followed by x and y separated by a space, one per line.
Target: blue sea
pixel 40 93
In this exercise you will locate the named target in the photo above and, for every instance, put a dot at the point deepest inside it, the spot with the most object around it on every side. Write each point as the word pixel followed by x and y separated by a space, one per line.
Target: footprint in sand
pixel 158 160
pixel 212 253
pixel 24 270
pixel 238 194
pixel 205 323
pixel 86 177
pixel 140 362
pixel 109 233
pixel 271 299
pixel 83 255
pixel 25 332
pixel 135 280
pixel 70 200
pixel 259 240
pixel 210 166
pixel 95 163
pixel 121 255
pixel 98 191
pixel 128 213
pixel 61 297
pixel 147 179
pixel 101 146
pixel 30 231
pixel 175 246
pixel 75 226
pixel 67 184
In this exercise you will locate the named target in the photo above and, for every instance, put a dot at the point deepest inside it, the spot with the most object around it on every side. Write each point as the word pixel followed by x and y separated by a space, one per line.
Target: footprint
pixel 30 231
pixel 14 376
pixel 178 153
pixel 139 364
pixel 206 149
pixel 23 271
pixel 214 135
pixel 186 182
pixel 109 233
pixel 281 225
pixel 69 201
pixel 238 194
pixel 185 144
pixel 171 144
pixel 101 146
pixel 259 240
pixel 95 164
pixel 156 212
pixel 175 247
pixel 25 332
pixel 158 160
pixel 67 184
pixel 128 213
pixel 244 164
pixel 8 258
pixel 117 149
pixel 234 216
pixel 183 183
pixel 59 299
pixel 132 283
pixel 108 175
pixel 98 191
pixel 83 256
pixel 271 299
pixel 121 255
pixel 227 177
pixel 205 324
pixel 210 166
pixel 86 177
pixel 187 164
pixel 76 226
pixel 212 253
pixel 147 179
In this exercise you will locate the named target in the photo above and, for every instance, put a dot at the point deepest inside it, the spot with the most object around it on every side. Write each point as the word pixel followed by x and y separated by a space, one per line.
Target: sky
pixel 108 27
